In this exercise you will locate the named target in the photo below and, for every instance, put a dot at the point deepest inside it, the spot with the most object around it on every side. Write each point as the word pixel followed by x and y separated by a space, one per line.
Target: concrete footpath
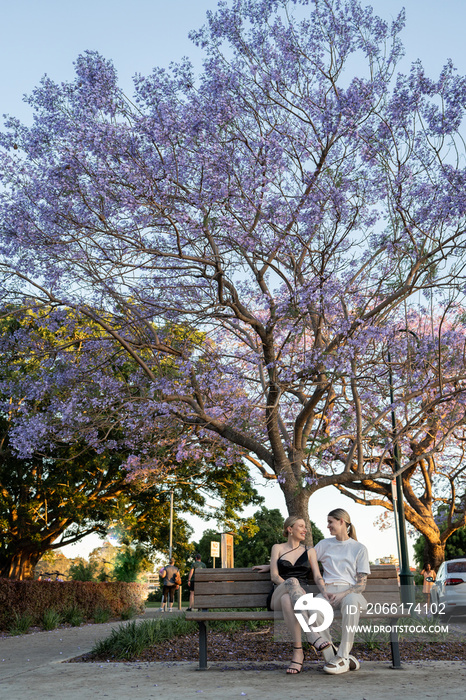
pixel 33 667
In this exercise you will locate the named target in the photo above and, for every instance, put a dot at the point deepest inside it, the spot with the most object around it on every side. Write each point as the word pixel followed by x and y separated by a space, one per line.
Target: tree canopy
pixel 430 433
pixel 293 216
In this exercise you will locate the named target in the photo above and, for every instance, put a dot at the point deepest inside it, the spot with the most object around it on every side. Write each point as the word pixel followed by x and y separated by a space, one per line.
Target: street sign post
pixel 214 550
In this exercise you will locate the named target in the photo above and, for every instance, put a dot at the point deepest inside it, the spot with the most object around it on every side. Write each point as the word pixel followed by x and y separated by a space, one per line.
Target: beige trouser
pixel 349 618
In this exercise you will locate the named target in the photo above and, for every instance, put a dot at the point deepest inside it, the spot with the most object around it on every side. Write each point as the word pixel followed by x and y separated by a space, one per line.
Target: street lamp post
pixel 406 577
pixel 170 541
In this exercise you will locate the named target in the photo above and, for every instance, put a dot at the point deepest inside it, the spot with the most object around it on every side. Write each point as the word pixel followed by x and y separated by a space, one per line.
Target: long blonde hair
pixel 340 514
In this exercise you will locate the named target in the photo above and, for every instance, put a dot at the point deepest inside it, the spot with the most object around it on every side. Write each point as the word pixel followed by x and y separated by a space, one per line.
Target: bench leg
pixel 202 646
pixel 395 646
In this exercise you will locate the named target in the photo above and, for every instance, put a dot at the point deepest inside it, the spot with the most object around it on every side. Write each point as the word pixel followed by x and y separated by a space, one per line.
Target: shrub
pixel 51 619
pixel 20 624
pixel 35 597
pixel 74 616
pixel 128 613
pixel 129 640
pixel 102 615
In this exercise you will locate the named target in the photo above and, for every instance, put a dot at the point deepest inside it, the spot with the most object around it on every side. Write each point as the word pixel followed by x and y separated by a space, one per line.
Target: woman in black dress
pixel 291 564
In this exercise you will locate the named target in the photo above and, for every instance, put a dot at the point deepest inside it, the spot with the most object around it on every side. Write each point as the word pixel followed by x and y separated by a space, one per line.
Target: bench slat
pixel 256 600
pixel 263 615
pixel 244 587
pixel 230 575
pixel 380 585
pixel 233 587
pixel 233 615
pixel 393 597
pixel 385 572
pixel 259 600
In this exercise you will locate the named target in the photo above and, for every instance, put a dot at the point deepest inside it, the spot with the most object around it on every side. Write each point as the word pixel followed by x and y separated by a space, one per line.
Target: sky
pixel 40 37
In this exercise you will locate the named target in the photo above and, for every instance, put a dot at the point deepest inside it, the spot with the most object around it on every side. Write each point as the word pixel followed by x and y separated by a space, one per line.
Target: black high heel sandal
pixel 293 671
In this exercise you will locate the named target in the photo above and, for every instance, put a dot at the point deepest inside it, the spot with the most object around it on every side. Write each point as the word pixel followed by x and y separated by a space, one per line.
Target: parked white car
pixel 449 588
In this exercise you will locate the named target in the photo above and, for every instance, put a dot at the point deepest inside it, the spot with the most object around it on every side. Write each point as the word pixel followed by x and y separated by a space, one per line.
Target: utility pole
pixel 406 577
pixel 170 542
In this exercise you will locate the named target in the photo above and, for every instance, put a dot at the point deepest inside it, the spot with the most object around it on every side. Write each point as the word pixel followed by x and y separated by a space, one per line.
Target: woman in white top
pixel 345 565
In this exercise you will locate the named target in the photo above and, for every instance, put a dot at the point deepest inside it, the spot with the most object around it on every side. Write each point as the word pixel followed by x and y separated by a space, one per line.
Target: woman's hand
pixel 262 568
pixel 335 598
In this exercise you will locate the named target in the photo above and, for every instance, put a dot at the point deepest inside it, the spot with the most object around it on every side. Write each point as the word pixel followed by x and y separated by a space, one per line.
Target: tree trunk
pixel 20 565
pixel 434 554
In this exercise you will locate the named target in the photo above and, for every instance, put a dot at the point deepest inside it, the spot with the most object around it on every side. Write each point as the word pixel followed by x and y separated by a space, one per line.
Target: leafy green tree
pixel 65 443
pixel 48 503
pixel 203 546
pixel 83 571
pixel 54 563
pixel 104 558
pixel 256 537
pixel 456 545
pixel 130 563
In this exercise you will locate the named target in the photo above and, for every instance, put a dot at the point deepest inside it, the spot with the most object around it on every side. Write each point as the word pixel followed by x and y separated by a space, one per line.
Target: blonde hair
pixel 289 522
pixel 340 514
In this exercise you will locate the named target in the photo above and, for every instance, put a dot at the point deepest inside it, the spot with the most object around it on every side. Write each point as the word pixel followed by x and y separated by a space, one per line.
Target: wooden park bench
pixel 223 594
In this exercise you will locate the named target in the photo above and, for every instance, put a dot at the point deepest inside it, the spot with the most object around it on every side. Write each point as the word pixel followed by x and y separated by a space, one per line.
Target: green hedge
pixel 35 597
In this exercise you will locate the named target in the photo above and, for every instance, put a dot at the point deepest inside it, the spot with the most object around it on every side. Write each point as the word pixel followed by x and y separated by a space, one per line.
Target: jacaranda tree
pixel 67 429
pixel 430 431
pixel 293 205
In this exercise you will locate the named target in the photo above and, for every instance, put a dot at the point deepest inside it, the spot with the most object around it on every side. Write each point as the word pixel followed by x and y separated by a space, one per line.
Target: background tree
pixel 290 214
pixel 130 563
pixel 104 559
pixel 429 431
pixel 82 570
pixel 65 440
pixel 54 564
pixel 203 546
pixel 455 544
pixel 256 536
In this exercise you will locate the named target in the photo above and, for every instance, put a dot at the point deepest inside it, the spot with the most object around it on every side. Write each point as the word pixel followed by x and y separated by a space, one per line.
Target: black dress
pixel 300 569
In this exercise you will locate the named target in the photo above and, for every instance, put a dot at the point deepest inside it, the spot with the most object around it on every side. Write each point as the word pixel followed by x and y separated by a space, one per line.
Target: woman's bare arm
pixel 274 575
pixel 262 568
pixel 319 581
